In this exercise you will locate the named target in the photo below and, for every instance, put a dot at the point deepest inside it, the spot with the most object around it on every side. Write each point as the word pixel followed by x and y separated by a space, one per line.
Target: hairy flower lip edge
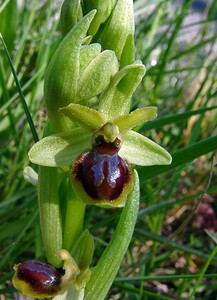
pixel 119 201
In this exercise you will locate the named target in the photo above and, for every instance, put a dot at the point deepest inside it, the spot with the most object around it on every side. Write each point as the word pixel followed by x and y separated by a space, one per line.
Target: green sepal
pixel 87 118
pixel 115 100
pixel 83 250
pixel 62 74
pixel 61 149
pixel 73 276
pixel 30 175
pixel 97 75
pixel 104 9
pixel 142 151
pixel 136 117
pixel 88 53
pixel 118 32
pixel 71 13
pixel 104 272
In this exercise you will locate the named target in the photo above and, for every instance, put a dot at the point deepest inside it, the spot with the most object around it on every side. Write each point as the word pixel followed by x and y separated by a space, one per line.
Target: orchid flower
pixel 88 93
pixel 63 150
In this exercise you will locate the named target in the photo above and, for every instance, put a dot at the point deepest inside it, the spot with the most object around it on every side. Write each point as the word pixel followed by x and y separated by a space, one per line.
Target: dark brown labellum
pixel 102 172
pixel 40 277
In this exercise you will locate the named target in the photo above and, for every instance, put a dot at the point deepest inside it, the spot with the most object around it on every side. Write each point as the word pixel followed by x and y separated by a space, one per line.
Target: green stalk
pixel 50 217
pixel 108 265
pixel 203 271
pixel 74 219
pixel 25 107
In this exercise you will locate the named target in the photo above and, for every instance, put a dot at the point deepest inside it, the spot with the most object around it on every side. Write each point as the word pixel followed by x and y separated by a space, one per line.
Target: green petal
pixel 116 98
pixel 87 118
pixel 60 150
pixel 88 53
pixel 137 117
pixel 141 151
pixel 97 75
pixel 30 175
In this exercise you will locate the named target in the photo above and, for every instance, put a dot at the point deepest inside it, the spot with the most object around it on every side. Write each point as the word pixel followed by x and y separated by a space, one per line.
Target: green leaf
pixel 109 263
pixel 83 249
pixel 87 118
pixel 60 150
pixel 97 75
pixel 116 98
pixel 62 74
pixel 137 117
pixel 141 151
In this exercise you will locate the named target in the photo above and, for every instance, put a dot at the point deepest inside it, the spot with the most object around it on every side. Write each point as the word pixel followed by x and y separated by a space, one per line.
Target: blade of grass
pixel 180 157
pixel 25 32
pixel 165 55
pixel 172 202
pixel 149 294
pixel 154 72
pixel 28 115
pixel 143 234
pixel 7 255
pixel 163 277
pixel 38 75
pixel 2 7
pixel 194 48
pixel 196 286
pixel 173 118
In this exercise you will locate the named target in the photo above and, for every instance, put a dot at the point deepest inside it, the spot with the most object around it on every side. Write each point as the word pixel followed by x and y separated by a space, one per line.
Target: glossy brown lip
pixel 40 277
pixel 102 172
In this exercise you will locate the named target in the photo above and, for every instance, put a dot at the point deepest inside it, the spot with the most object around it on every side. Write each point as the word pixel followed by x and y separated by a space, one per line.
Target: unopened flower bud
pixel 76 73
pixel 104 9
pixel 117 33
pixel 71 13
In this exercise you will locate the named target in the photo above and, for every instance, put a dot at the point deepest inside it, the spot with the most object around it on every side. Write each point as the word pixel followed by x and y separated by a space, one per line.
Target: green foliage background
pixel 175 233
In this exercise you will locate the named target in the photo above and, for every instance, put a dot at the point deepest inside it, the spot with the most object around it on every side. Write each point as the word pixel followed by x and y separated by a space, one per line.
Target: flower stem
pixel 108 265
pixel 74 219
pixel 50 217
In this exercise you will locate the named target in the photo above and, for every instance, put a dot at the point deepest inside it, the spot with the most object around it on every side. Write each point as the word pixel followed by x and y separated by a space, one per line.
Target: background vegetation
pixel 172 254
